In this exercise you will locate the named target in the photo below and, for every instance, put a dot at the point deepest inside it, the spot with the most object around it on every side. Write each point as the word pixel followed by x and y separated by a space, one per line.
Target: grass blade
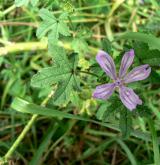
pixel 128 152
pixel 46 139
pixel 26 107
pixel 152 41
pixel 155 142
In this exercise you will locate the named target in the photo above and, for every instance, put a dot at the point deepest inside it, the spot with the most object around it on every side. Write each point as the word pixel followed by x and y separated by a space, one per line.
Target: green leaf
pixel 69 84
pixel 52 26
pixel 80 45
pixel 106 46
pixel 125 123
pixel 64 89
pixel 152 41
pixel 58 55
pixel 48 76
pixel 151 57
pixel 63 73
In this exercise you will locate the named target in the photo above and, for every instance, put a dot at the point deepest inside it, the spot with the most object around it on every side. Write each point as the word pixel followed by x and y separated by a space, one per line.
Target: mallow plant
pixel 72 79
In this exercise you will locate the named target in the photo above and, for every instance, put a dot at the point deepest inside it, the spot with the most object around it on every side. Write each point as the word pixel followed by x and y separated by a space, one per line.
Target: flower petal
pixel 107 64
pixel 104 91
pixel 126 62
pixel 138 73
pixel 129 98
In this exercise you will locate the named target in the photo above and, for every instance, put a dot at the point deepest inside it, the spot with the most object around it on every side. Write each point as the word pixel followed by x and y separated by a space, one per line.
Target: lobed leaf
pixel 58 55
pixel 63 73
pixel 52 26
pixel 49 76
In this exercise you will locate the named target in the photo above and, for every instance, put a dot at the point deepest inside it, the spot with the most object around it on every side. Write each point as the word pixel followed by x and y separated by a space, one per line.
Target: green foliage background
pixel 48 74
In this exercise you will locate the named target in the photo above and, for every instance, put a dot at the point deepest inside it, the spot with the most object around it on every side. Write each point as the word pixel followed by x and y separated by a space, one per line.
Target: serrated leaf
pixel 64 89
pixel 70 83
pixel 152 41
pixel 58 55
pixel 52 26
pixel 63 28
pixel 62 73
pixel 73 59
pixel 48 76
pixel 125 123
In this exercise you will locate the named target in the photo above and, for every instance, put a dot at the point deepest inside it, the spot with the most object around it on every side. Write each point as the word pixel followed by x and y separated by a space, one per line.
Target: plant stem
pixel 20 138
pixel 86 72
pixel 16 47
pixel 31 46
pixel 8 10
pixel 7 23
pixel 25 130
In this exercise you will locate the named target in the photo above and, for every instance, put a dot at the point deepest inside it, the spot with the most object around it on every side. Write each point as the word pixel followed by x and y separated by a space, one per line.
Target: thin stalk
pixel 20 137
pixel 25 130
pixel 8 10
pixel 90 73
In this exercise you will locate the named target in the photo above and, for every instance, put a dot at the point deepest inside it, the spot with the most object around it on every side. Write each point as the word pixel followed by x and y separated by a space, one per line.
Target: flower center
pixel 118 82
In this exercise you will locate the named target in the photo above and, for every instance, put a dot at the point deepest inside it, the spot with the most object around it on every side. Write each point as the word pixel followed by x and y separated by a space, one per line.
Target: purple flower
pixel 127 95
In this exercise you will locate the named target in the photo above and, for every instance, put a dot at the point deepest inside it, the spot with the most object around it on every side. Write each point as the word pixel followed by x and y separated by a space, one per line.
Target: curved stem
pixel 90 73
pixel 20 138
pixel 25 130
